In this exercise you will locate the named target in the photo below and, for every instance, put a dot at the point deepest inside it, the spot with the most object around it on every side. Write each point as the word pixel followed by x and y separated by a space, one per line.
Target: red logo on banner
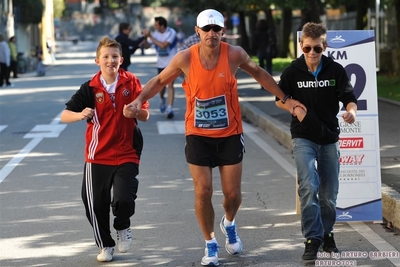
pixel 352 159
pixel 351 142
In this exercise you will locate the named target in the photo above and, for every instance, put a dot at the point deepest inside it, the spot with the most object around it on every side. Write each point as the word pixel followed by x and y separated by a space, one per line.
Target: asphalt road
pixel 42 219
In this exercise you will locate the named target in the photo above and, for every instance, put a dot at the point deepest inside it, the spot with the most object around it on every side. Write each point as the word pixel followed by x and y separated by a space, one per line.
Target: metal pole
pixel 377 39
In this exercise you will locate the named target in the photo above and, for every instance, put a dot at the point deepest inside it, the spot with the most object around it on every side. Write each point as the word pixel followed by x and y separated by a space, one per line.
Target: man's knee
pixel 204 193
pixel 233 196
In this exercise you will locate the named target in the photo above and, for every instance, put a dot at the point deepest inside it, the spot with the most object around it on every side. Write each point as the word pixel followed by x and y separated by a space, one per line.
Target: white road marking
pixel 2 127
pixel 45 131
pixel 171 127
pixel 378 242
pixel 9 167
pixel 51 130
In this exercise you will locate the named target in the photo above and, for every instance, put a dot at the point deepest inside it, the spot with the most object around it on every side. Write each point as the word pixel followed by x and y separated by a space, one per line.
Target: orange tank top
pixel 212 103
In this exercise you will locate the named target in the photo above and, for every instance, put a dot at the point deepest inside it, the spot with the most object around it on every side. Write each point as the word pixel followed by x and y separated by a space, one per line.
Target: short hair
pixel 107 42
pixel 123 26
pixel 314 31
pixel 161 21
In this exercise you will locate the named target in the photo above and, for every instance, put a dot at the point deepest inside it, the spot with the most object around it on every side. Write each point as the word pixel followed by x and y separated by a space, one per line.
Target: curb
pixel 281 132
pixel 391 205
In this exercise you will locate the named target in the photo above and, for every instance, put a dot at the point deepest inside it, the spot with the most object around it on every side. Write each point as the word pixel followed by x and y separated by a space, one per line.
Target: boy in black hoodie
pixel 319 83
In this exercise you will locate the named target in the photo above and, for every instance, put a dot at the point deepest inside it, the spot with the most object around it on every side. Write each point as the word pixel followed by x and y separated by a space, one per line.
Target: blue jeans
pixel 318 179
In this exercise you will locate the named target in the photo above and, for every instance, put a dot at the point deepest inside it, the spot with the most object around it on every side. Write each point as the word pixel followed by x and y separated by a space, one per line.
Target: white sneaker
pixel 124 240
pixel 211 255
pixel 106 254
pixel 233 244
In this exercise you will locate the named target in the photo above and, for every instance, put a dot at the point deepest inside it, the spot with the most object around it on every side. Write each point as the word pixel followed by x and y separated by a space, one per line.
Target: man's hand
pixel 132 109
pixel 292 104
pixel 146 33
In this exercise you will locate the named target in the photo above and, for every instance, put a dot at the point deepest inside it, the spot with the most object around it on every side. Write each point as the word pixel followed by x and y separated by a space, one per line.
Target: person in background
pixel 14 59
pixel 209 68
pixel 315 134
pixel 50 49
pixel 264 42
pixel 191 40
pixel 128 45
pixel 113 147
pixel 5 58
pixel 166 44
pixel 181 37
pixel 40 69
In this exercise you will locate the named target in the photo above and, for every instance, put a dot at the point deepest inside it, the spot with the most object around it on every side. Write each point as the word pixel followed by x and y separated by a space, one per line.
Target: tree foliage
pixel 310 9
pixel 29 11
pixel 58 8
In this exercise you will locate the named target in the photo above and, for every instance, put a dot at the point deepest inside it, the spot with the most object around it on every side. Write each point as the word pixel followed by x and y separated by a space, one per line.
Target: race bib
pixel 211 113
pixel 163 52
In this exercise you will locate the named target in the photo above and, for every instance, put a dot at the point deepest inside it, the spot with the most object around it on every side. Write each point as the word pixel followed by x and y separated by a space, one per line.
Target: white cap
pixel 210 16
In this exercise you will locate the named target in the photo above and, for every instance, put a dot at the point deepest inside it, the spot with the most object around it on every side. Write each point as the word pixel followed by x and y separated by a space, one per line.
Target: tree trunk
pixel 284 50
pixel 314 10
pixel 252 26
pixel 244 38
pixel 270 19
pixel 362 9
pixel 396 67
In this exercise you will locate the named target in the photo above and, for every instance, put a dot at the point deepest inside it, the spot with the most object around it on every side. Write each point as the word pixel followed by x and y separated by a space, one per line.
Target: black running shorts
pixel 206 151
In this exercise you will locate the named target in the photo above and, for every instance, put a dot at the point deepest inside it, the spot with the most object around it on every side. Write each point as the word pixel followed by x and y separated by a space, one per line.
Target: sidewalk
pixel 258 107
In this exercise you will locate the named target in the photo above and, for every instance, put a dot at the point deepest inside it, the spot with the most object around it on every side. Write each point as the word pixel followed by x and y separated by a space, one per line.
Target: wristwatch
pixel 285 98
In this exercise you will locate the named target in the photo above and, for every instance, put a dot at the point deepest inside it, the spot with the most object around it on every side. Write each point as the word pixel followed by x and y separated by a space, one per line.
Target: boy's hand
pixel 87 114
pixel 349 117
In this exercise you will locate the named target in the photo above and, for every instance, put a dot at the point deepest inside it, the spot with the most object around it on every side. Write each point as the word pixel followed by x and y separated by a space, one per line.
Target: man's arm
pixel 242 59
pixel 169 74
pixel 160 44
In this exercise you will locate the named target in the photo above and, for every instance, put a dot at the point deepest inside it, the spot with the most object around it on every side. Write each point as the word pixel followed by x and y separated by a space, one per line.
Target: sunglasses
pixel 317 49
pixel 208 28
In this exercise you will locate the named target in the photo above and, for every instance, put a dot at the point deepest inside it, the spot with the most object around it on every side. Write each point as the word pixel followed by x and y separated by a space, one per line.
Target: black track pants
pixel 98 180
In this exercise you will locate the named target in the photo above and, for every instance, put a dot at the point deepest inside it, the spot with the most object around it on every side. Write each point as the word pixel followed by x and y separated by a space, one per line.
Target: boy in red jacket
pixel 113 146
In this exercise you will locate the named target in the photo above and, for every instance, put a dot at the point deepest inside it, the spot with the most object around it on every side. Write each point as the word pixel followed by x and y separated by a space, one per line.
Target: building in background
pixel 28 36
pixel 6 18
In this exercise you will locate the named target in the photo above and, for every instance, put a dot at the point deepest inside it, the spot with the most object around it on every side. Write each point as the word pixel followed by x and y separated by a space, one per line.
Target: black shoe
pixel 329 244
pixel 170 115
pixel 311 250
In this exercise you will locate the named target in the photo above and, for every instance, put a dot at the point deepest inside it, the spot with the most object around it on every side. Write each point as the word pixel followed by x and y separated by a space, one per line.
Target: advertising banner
pixel 359 196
